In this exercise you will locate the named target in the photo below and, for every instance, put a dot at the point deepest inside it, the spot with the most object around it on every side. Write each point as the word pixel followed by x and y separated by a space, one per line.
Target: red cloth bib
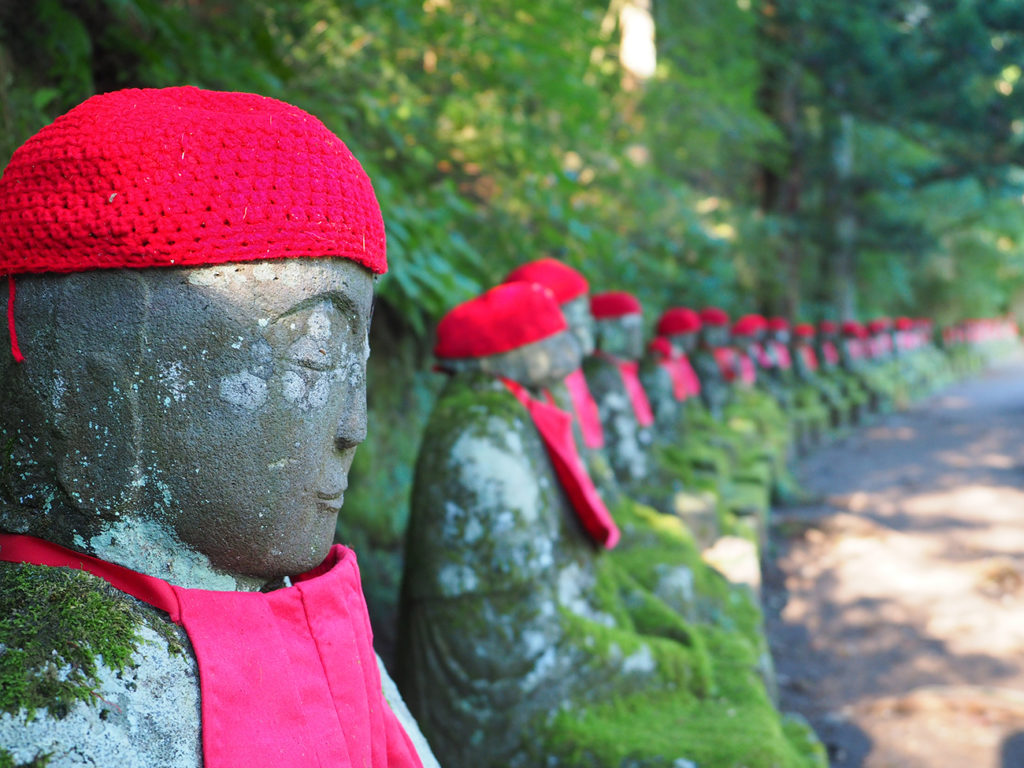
pixel 810 359
pixel 288 679
pixel 748 374
pixel 830 353
pixel 685 382
pixel 763 358
pixel 782 355
pixel 629 370
pixel 555 428
pixel 586 409
pixel 725 357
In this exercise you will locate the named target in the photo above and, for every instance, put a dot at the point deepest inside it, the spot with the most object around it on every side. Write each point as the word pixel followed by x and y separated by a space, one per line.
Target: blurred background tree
pixel 808 157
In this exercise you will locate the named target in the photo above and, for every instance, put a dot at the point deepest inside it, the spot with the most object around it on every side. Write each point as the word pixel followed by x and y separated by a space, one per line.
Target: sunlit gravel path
pixel 896 605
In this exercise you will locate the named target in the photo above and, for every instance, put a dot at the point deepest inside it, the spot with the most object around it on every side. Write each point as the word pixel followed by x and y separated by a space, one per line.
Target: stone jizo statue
pixel 194 275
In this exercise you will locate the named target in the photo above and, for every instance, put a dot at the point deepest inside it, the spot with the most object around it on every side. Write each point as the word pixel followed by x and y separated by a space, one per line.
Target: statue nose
pixel 351 429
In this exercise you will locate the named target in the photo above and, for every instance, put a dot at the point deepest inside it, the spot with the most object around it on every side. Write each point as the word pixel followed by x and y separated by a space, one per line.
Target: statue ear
pixel 98 463
pixel 99 331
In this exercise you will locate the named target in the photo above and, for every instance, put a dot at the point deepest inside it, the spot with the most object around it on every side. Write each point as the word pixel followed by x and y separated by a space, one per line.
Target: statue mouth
pixel 329 503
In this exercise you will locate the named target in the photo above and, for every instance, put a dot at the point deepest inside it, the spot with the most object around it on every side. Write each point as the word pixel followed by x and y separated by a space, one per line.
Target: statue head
pixel 620 324
pixel 514 331
pixel 715 330
pixel 570 289
pixel 680 325
pixel 747 330
pixel 195 334
pixel 803 333
pixel 778 330
pixel 828 330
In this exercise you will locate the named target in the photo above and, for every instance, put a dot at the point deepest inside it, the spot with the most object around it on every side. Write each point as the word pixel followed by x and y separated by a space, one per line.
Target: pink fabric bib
pixel 726 359
pixel 810 359
pixel 586 409
pixel 629 370
pixel 555 428
pixel 748 374
pixel 288 679
pixel 782 355
pixel 666 358
pixel 830 353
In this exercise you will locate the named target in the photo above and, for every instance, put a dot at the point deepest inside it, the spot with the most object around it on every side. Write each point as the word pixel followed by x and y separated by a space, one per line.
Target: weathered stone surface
pixel 508 615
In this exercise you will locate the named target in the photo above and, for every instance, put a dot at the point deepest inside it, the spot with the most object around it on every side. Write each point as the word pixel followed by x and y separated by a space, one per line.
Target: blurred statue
pixel 194 283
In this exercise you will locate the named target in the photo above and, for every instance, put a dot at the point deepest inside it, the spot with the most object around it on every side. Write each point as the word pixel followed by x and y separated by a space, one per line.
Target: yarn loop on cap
pixel 504 318
pixel 714 316
pixel 678 320
pixel 181 177
pixel 563 281
pixel 606 306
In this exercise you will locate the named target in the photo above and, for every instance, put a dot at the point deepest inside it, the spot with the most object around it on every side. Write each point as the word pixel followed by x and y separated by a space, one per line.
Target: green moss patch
pixel 56 626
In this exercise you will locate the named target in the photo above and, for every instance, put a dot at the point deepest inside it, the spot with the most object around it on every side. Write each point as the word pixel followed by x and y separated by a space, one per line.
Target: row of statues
pixel 190 283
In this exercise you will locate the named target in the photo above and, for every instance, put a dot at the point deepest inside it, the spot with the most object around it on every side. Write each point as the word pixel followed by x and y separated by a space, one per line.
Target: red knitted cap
pixel 904 324
pixel 852 328
pixel 614 304
pixel 504 318
pixel 878 325
pixel 182 176
pixel 778 324
pixel 748 325
pixel 714 316
pixel 678 320
pixel 804 330
pixel 563 281
pixel 827 326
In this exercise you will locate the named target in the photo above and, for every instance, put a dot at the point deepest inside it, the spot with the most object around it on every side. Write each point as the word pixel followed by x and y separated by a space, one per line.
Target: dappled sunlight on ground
pixel 897 608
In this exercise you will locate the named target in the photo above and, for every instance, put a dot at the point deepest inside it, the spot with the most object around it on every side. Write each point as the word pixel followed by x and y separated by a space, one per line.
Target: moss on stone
pixel 56 626
pixel 7 760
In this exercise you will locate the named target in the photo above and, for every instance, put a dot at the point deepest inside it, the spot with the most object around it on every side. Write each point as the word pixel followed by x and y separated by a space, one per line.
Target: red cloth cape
pixel 629 371
pixel 586 409
pixel 809 357
pixel 782 355
pixel 288 679
pixel 725 357
pixel 685 383
pixel 555 428
pixel 748 374
pixel 830 353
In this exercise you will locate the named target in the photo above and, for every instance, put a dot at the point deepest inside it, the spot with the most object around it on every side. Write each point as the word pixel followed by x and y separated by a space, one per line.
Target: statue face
pixel 541 364
pixel 781 336
pixel 716 335
pixel 622 336
pixel 221 404
pixel 686 342
pixel 581 322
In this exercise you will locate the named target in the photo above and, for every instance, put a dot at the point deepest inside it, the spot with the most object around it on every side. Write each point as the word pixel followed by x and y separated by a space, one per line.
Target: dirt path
pixel 896 606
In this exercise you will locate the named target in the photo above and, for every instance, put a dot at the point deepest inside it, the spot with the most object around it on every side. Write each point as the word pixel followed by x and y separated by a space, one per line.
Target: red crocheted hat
pixel 748 325
pixel 853 329
pixel 614 304
pixel 563 281
pixel 904 324
pixel 827 326
pixel 778 324
pixel 879 324
pixel 182 176
pixel 504 318
pixel 678 320
pixel 714 316
pixel 804 330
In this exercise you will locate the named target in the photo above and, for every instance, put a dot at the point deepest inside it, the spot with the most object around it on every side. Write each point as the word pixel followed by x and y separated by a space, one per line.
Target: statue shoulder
pixel 90 674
